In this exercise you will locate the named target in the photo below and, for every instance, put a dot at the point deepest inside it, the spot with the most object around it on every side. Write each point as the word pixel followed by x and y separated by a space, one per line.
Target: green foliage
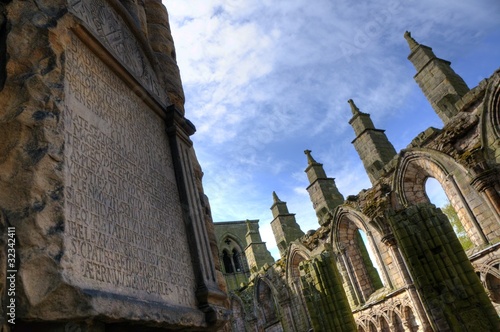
pixel 459 229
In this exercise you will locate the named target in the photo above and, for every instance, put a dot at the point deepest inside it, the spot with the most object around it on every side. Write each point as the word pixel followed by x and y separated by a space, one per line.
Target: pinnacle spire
pixel 442 87
pixel 371 143
pixel 354 108
pixel 411 42
pixel 276 199
pixel 310 159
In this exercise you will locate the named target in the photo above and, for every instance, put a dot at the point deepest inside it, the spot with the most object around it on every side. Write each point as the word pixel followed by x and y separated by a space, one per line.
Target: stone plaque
pixel 110 29
pixel 124 230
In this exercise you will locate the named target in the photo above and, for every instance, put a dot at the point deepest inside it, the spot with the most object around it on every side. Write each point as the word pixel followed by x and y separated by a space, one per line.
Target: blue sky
pixel 264 80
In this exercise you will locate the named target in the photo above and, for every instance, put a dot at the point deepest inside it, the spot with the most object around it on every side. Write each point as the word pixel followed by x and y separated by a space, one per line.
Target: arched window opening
pixel 369 260
pixel 361 274
pixel 410 320
pixel 238 316
pixel 233 258
pixel 397 323
pixel 372 327
pixel 384 325
pixel 301 313
pixel 360 329
pixel 415 186
pixel 226 259
pixel 438 197
pixel 493 284
pixel 265 300
pixel 237 260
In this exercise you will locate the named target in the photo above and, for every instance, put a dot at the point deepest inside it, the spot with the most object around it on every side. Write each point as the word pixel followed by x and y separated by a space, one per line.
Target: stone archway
pixel 298 303
pixel 238 316
pixel 490 131
pixel 417 165
pixel 384 324
pixel 268 313
pixel 489 273
pixel 360 275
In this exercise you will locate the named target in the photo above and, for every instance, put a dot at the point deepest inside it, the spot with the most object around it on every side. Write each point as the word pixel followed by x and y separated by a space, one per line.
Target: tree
pixel 459 229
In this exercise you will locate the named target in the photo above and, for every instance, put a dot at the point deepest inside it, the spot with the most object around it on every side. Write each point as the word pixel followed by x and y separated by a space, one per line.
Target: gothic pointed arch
pixel 297 253
pixel 489 274
pixel 383 321
pixel 358 271
pixel 366 323
pixel 237 242
pixel 238 316
pixel 267 306
pixel 416 165
pixel 490 119
pixel 232 254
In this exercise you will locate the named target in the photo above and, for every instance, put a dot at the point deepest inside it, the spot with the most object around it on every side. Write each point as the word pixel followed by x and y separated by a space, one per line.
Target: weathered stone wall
pixel 326 302
pixel 98 176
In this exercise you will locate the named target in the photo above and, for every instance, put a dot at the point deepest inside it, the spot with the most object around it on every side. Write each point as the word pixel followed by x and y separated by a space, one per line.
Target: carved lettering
pixel 124 227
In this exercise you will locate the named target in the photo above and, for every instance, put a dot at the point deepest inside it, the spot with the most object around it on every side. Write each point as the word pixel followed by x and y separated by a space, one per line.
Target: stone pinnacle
pixel 310 159
pixel 354 108
pixel 411 42
pixel 276 199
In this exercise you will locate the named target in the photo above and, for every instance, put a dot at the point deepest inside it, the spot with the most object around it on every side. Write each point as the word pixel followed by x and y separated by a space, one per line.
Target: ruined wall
pixel 98 176
pixel 429 282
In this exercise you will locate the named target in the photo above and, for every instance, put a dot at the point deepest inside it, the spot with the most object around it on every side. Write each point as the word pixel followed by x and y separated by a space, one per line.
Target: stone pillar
pixel 325 297
pixel 372 144
pixel 284 225
pixel 211 299
pixel 448 287
pixel 485 184
pixel 322 190
pixel 440 84
pixel 209 224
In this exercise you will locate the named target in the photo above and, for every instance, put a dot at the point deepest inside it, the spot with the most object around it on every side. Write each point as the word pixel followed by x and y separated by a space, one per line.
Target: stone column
pixel 325 297
pixel 485 184
pixel 211 299
pixel 444 278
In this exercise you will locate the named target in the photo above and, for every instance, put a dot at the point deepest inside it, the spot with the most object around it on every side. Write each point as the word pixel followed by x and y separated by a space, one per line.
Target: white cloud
pixel 265 80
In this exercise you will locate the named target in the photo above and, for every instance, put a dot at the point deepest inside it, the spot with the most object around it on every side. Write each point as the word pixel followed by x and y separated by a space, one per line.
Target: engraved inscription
pixel 124 227
pixel 111 30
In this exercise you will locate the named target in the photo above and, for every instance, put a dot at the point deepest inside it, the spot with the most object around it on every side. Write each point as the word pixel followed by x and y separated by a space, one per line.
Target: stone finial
pixel 276 199
pixel 411 42
pixel 354 108
pixel 310 159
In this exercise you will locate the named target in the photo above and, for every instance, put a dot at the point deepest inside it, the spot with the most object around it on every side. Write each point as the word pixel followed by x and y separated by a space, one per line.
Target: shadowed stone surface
pixel 98 174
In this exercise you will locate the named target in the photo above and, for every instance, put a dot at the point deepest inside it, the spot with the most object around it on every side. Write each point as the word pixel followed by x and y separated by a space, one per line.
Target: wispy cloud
pixel 265 80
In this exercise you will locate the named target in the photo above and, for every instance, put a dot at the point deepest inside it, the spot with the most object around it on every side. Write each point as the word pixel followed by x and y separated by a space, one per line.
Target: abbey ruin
pixel 326 280
pixel 106 227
